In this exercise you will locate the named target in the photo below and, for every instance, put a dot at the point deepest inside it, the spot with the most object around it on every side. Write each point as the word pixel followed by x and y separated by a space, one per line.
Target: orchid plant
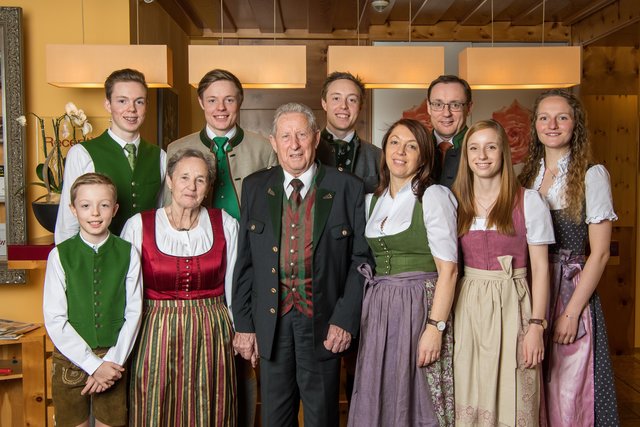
pixel 65 126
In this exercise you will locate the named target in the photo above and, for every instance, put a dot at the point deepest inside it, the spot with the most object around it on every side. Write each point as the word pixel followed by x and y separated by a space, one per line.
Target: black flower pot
pixel 46 214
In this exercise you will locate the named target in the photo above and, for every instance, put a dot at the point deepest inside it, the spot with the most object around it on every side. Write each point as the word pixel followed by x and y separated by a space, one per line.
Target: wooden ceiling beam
pixel 320 16
pixel 606 21
pixel 188 22
pixel 264 13
pixel 593 7
pixel 452 31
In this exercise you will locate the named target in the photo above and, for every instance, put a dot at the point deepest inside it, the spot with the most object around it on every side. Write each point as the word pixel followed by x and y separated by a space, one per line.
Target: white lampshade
pixel 520 67
pixel 389 67
pixel 89 65
pixel 265 67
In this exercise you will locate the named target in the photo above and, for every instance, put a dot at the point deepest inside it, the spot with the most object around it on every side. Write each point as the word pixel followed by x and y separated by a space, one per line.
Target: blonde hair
pixel 93 178
pixel 501 216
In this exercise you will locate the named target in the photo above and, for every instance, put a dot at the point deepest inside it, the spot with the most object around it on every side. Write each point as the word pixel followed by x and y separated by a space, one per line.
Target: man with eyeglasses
pixel 449 104
pixel 340 146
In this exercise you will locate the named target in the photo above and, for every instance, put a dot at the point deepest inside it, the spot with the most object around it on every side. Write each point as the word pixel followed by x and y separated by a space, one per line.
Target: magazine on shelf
pixel 12 330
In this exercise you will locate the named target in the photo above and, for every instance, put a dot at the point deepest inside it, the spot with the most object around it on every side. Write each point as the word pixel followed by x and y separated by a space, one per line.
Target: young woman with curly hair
pixel 578 378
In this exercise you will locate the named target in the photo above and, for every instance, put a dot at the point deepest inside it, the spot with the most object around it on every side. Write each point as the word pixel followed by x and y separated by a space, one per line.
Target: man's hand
pixel 247 346
pixel 338 340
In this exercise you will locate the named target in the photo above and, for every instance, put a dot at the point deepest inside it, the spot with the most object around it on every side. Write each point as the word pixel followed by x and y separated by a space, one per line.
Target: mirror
pixel 13 228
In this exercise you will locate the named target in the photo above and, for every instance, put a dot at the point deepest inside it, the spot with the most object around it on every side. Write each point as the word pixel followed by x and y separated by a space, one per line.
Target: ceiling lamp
pixel 520 67
pixel 539 67
pixel 406 67
pixel 257 67
pixel 89 65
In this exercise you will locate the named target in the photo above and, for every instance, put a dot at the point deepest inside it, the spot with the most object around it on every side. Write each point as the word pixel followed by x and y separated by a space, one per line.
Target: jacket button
pixel 273 270
pixel 273 290
pixel 274 249
pixel 253 227
pixel 272 310
pixel 345 232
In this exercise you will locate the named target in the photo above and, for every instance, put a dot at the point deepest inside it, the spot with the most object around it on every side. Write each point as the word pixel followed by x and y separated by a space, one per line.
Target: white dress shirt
pixel 306 178
pixel 79 162
pixel 66 338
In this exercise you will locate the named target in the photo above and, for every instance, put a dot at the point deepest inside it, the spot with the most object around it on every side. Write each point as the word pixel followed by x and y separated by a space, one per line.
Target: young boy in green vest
pixel 92 307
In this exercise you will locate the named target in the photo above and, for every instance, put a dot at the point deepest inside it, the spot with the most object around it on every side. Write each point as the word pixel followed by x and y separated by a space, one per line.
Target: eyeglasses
pixel 453 106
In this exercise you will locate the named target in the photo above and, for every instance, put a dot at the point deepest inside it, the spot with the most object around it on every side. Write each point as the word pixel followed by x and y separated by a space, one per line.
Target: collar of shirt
pixel 555 195
pixel 440 139
pixel 122 142
pixel 95 246
pixel 229 134
pixel 306 178
pixel 348 137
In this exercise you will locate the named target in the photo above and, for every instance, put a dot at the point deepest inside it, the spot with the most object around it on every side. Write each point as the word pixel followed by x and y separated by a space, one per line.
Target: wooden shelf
pixel 25 389
pixel 10 377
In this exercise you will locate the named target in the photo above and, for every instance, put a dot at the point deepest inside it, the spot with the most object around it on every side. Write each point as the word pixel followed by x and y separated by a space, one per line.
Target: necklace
pixel 486 208
pixel 553 175
pixel 384 221
pixel 173 222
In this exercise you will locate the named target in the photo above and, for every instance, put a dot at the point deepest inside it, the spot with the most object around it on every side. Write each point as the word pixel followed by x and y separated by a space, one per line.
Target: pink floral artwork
pixel 419 113
pixel 516 121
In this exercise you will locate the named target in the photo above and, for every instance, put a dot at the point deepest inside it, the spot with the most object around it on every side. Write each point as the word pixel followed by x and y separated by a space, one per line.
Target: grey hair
pixel 189 153
pixel 294 107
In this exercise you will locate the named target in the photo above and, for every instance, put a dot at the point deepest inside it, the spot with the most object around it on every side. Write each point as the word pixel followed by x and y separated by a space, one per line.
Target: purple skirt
pixel 390 389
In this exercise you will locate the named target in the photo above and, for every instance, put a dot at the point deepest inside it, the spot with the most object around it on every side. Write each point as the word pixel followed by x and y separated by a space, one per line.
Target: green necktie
pixel 224 194
pixel 131 154
pixel 220 141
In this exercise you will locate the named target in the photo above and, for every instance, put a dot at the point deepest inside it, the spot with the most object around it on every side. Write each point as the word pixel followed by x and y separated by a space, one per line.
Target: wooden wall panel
pixel 609 70
pixel 614 128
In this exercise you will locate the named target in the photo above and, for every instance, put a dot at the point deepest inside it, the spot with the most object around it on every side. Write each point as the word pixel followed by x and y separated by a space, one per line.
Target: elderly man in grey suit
pixel 238 154
pixel 297 293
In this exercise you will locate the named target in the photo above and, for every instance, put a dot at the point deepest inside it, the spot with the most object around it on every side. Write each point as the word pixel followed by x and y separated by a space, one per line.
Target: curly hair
pixel 580 154
pixel 423 177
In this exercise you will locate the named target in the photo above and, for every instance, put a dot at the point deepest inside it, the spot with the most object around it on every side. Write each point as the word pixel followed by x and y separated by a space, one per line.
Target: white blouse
pixel 537 219
pixel 599 201
pixel 439 212
pixel 188 243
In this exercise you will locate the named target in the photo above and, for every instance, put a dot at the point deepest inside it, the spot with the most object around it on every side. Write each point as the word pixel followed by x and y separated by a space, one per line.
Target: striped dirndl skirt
pixel 182 369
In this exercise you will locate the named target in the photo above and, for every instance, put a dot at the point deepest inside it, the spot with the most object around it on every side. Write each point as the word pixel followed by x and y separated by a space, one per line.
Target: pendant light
pixel 388 67
pixel 257 67
pixel 88 65
pixel 521 67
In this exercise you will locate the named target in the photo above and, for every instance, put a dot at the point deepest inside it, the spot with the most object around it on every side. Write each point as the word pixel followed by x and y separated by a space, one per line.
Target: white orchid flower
pixel 71 109
pixel 78 118
pixel 22 121
pixel 65 129
pixel 86 128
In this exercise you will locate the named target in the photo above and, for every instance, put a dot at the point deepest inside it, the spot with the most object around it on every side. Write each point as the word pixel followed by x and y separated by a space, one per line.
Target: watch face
pixel 441 325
